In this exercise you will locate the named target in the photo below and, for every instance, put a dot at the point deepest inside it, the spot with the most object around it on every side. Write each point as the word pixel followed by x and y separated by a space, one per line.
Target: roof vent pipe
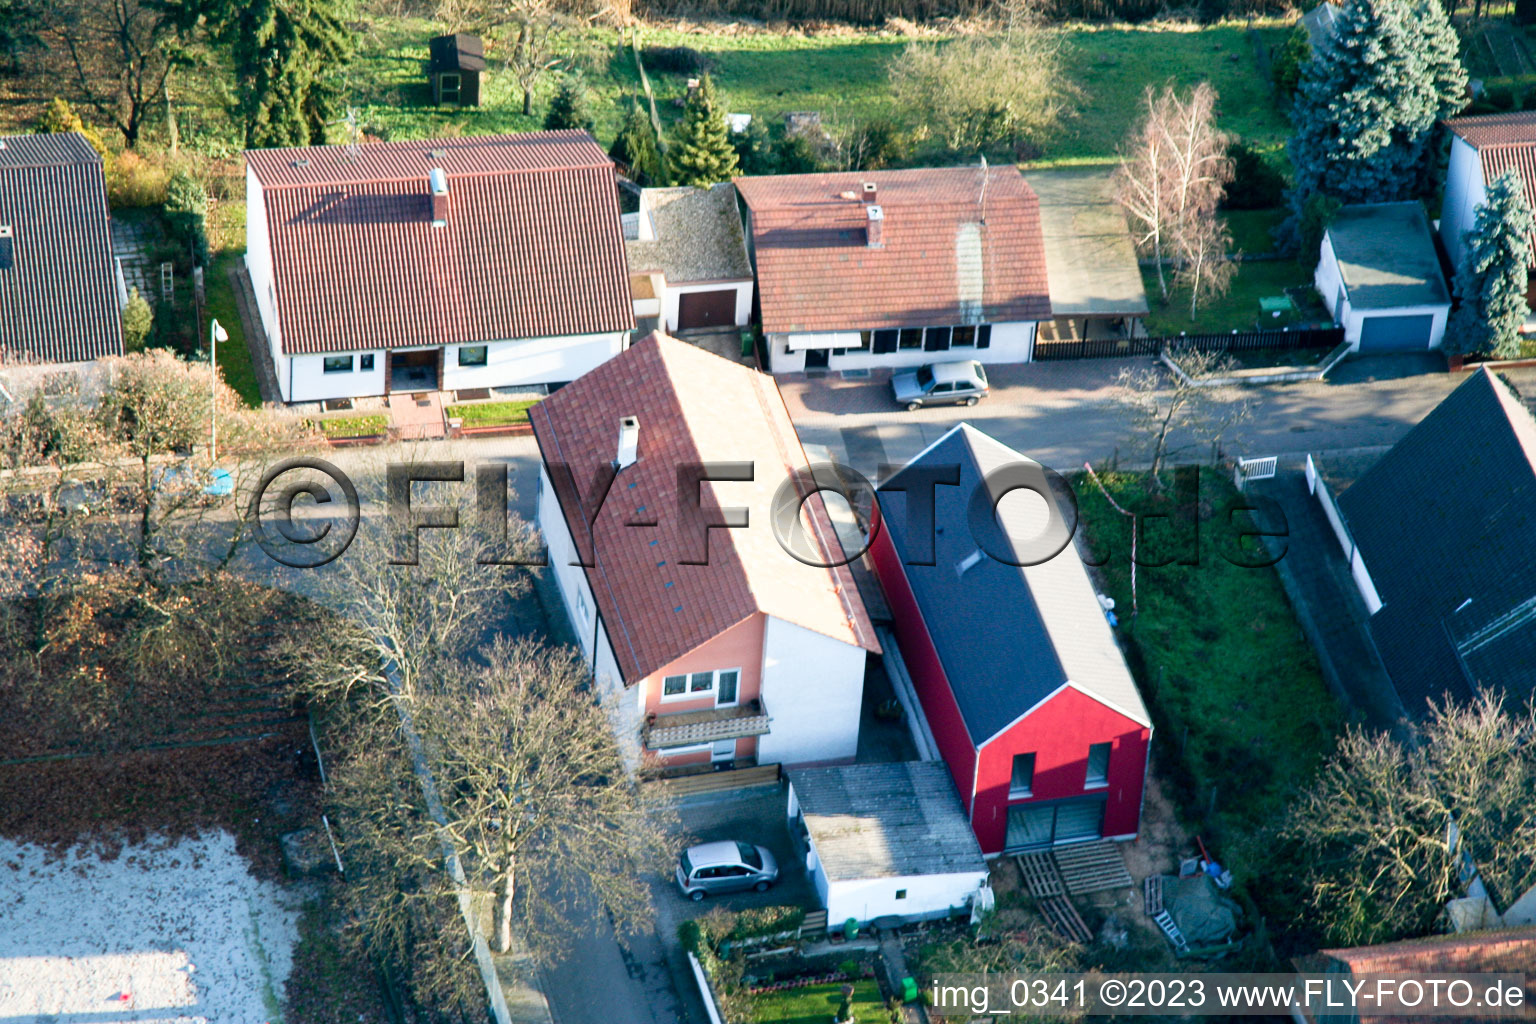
pixel 437 181
pixel 629 441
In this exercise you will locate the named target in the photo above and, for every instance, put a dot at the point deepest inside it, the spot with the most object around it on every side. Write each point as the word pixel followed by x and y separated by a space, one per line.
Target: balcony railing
pixel 688 728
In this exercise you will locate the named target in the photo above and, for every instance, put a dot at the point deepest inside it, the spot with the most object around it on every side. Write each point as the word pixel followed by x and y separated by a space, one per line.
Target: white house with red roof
pixel 897 268
pixel 484 262
pixel 711 644
pixel 1482 149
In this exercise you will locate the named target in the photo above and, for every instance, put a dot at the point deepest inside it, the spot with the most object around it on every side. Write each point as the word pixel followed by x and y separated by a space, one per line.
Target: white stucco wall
pixel 926 896
pixel 1465 191
pixel 813 688
pixel 1011 343
pixel 670 292
pixel 1330 285
pixel 258 264
pixel 581 612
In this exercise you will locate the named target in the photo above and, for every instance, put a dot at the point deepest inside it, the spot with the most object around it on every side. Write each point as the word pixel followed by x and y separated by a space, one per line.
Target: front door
pixel 414 371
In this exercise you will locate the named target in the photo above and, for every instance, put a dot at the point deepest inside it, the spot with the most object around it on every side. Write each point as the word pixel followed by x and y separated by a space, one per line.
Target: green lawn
pixel 817 1004
pixel 1235 691
pixel 492 414
pixel 234 355
pixel 841 74
pixel 1253 231
pixel 355 426
pixel 1238 310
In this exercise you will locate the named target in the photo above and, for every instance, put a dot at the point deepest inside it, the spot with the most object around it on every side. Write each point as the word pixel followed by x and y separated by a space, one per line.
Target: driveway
pixel 1064 413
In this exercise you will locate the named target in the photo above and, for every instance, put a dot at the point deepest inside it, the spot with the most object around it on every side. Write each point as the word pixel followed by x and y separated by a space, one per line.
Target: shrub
pixel 186 211
pixel 879 142
pixel 676 60
pixel 1256 185
pixel 133 181
pixel 138 321
pixel 568 109
pixel 1286 70
pixel 1316 214
pixel 59 116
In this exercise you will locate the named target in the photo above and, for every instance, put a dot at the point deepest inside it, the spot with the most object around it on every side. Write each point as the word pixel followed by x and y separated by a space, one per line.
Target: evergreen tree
pixel 703 154
pixel 569 107
pixel 138 321
pixel 635 148
pixel 1369 99
pixel 1491 281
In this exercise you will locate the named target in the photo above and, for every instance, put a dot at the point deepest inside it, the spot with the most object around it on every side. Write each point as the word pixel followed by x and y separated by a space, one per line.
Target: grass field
pixel 1234 688
pixel 840 73
pixel 817 1004
pixel 1238 310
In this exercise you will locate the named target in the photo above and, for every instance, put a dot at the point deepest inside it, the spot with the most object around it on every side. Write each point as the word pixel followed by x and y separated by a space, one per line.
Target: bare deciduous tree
pixel 1203 264
pixel 119 57
pixel 1172 414
pixel 1171 180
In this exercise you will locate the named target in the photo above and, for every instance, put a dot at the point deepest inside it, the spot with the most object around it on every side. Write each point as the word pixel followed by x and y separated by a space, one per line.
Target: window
pixel 749 855
pixel 1098 765
pixel 1023 781
pixel 942 389
pixel 963 337
pixel 473 355
pixel 885 342
pixel 911 337
pixel 701 682
pixel 936 340
pixel 338 364
pixel 673 686
pixel 865 337
pixel 365 362
pixel 725 692
pixel 901 894
pixel 724 685
pixel 984 336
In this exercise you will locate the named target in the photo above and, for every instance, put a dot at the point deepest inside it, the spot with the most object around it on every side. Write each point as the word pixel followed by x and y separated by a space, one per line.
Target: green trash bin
pixel 850 929
pixel 746 343
pixel 909 990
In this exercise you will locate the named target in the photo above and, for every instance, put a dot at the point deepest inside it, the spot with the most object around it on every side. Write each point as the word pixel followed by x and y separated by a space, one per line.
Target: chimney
pixel 629 441
pixel 437 181
pixel 870 192
pixel 873 233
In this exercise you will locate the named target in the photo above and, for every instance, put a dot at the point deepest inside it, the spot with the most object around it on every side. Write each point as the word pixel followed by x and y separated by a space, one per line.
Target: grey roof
pixel 1319 23
pixel 886 820
pixel 1387 256
pixel 1089 254
pixel 459 52
pixel 1448 515
pixel 1007 637
pixel 58 290
pixel 698 235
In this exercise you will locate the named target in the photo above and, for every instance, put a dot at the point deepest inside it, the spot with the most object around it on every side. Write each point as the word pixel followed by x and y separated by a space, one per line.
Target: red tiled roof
pixel 58 288
pixel 693 407
pixel 943 249
pixel 1506 951
pixel 533 245
pixel 1496 129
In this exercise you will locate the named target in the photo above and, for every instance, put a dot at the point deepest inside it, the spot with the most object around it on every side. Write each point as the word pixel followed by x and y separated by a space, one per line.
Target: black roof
pixel 1007 637
pixel 458 52
pixel 1446 526
pixel 58 288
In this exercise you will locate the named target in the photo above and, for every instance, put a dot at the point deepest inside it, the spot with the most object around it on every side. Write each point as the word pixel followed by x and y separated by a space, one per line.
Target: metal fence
pixel 1239 341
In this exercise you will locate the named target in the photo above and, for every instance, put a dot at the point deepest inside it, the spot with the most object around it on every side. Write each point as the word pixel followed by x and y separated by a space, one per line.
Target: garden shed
pixel 887 841
pixel 454 66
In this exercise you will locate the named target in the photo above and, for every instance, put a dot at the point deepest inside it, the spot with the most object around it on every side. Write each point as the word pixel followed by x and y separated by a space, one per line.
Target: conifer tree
pixel 703 154
pixel 1370 98
pixel 635 148
pixel 568 109
pixel 1491 281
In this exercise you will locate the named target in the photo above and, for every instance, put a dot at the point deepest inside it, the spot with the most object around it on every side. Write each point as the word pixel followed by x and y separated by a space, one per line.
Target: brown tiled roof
pixel 816 272
pixel 533 245
pixel 58 287
pixel 693 407
pixel 1506 951
pixel 1503 142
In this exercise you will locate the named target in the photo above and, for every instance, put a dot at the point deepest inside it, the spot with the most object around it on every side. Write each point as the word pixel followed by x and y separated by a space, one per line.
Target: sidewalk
pixel 1327 604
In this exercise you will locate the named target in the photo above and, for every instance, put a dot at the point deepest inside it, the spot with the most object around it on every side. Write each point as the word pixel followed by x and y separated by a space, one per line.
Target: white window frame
pixel 1088 781
pixel 1015 793
pixel 711 691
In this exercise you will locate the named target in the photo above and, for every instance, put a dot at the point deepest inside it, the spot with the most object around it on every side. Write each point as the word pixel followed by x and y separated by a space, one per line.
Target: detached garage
pixel 1380 274
pixel 688 259
pixel 887 841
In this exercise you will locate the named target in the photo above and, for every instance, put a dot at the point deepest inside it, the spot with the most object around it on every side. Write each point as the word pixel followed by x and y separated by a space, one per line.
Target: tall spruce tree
pixel 703 154
pixel 1491 281
pixel 568 108
pixel 1369 99
pixel 635 148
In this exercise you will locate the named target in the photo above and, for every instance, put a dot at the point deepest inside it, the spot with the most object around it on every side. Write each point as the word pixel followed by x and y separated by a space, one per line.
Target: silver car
pixel 961 383
pixel 725 867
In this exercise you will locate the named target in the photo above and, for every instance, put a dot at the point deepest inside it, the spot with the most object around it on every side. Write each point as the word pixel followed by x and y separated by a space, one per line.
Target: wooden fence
pixel 1241 341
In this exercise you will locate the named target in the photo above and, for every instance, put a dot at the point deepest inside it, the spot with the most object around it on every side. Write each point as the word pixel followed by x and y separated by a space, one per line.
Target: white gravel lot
pixel 167 933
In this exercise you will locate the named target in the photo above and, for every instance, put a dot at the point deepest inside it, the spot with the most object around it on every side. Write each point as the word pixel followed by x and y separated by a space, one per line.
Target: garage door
pixel 1395 333
pixel 706 309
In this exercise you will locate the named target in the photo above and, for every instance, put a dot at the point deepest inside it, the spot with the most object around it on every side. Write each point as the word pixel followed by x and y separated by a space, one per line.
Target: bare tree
pixel 119 57
pixel 1204 267
pixel 1172 414
pixel 1173 176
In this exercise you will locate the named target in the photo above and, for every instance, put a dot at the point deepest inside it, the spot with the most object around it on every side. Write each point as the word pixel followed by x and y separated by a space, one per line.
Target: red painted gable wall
pixel 1059 733
pixel 922 662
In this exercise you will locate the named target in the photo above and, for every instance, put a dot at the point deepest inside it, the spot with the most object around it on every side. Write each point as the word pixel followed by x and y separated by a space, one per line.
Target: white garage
pixel 1380 275
pixel 688 259
pixel 887 841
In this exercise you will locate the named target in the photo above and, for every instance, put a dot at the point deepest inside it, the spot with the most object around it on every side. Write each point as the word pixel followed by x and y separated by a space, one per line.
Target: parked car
pixel 964 382
pixel 725 867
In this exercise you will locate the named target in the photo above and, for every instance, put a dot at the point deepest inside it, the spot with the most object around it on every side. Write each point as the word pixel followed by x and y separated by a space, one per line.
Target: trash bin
pixel 850 929
pixel 746 343
pixel 909 990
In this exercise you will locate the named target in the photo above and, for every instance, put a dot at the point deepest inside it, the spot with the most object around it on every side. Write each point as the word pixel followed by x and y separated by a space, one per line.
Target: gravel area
pixel 164 933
